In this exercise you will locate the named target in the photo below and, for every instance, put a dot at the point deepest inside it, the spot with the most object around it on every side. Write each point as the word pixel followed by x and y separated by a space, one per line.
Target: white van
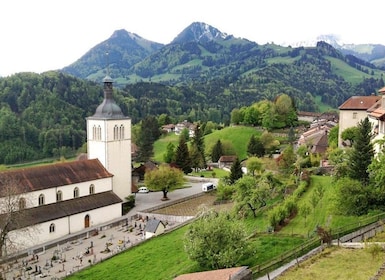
pixel 206 187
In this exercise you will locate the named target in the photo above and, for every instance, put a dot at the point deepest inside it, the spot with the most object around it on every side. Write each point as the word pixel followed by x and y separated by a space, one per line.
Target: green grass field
pixel 163 257
pixel 238 136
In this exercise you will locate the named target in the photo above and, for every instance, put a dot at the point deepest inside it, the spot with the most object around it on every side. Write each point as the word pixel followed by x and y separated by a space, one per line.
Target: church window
pixel 52 227
pixel 121 132
pixel 22 203
pixel 59 196
pixel 116 132
pixel 96 132
pixel 41 199
pixel 76 192
pixel 92 189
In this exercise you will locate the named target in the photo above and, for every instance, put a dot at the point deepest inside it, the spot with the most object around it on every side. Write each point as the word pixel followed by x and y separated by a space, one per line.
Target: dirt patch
pixel 191 207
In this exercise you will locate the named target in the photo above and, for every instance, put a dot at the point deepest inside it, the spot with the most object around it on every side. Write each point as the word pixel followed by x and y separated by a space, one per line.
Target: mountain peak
pixel 200 32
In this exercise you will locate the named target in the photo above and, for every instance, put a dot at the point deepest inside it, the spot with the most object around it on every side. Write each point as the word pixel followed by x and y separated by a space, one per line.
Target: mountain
pixel 200 32
pixel 212 69
pixel 373 53
pixel 115 55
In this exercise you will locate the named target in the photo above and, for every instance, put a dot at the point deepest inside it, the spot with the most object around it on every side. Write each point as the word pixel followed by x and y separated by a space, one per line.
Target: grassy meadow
pixel 238 136
pixel 163 257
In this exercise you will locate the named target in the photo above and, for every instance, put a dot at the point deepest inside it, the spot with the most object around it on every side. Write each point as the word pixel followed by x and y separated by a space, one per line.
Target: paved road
pixel 148 200
pixel 73 256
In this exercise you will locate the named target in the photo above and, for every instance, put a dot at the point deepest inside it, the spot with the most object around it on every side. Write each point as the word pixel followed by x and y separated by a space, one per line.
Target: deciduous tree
pixel 216 240
pixel 165 179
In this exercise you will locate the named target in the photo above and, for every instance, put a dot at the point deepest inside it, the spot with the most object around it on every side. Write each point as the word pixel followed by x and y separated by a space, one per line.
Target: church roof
pixel 65 208
pixel 108 109
pixel 53 175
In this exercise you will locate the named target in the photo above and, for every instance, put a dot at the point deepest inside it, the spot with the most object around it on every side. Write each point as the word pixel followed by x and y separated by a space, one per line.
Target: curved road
pixel 145 201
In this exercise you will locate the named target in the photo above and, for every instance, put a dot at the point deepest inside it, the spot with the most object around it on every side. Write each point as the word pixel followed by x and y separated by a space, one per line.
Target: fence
pixel 362 229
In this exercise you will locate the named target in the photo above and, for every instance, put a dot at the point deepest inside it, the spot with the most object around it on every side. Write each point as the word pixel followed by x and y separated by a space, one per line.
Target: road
pixel 145 201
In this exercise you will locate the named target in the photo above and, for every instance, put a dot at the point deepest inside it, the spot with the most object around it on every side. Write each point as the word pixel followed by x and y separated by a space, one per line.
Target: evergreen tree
pixel 182 157
pixel 362 153
pixel 235 171
pixel 255 147
pixel 199 144
pixel 170 153
pixel 197 161
pixel 149 133
pixel 217 151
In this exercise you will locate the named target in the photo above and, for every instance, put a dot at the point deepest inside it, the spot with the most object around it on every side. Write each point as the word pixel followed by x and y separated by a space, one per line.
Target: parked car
pixel 143 190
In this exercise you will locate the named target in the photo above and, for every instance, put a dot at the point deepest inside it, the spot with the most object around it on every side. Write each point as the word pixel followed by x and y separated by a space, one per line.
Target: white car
pixel 143 190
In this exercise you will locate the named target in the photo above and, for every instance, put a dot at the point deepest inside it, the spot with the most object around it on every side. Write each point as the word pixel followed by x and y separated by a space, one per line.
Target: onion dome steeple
pixel 108 109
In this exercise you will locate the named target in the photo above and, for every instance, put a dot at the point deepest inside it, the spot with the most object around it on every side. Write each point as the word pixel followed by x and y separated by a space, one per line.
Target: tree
pixel 350 133
pixel 362 153
pixel 304 210
pixel 149 133
pixel 217 151
pixel 182 157
pixel 14 211
pixel 169 156
pixel 352 198
pixel 287 159
pixel 255 147
pixel 254 164
pixel 235 171
pixel 165 179
pixel 251 193
pixel 197 154
pixel 216 240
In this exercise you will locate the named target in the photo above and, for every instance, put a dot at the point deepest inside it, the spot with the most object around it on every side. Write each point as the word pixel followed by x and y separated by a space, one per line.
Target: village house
pixel 56 200
pixel 179 127
pixel 353 110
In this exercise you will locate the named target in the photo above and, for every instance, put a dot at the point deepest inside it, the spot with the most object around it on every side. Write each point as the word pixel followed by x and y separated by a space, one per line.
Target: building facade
pixel 47 203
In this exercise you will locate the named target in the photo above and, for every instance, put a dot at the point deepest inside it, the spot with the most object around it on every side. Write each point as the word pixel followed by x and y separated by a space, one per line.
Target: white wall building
pixel 48 202
pixel 353 110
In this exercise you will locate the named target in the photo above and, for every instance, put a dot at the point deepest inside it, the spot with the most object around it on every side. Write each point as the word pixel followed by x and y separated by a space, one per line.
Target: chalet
pixel 53 201
pixel 168 128
pixel 226 161
pixel 353 110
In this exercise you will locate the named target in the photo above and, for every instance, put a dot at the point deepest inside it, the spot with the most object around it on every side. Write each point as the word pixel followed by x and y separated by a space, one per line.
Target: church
pixel 45 203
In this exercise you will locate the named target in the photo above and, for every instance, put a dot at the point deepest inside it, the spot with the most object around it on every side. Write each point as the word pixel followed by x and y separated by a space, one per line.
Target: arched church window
pixel 59 196
pixel 41 199
pixel 52 227
pixel 76 192
pixel 22 203
pixel 92 189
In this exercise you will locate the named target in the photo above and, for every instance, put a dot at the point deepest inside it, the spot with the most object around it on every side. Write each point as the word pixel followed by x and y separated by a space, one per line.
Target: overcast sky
pixel 42 35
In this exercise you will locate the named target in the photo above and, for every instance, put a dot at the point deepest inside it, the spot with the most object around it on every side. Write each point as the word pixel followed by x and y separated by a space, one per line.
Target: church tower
pixel 109 140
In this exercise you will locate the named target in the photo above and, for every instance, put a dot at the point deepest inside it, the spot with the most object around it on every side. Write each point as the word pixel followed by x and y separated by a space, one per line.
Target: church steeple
pixel 108 108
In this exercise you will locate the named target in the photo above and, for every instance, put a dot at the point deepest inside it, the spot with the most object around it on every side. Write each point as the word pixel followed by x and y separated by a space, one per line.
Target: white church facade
pixel 47 203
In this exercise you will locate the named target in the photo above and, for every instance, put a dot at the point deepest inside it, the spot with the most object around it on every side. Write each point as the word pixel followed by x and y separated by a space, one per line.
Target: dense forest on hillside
pixel 43 115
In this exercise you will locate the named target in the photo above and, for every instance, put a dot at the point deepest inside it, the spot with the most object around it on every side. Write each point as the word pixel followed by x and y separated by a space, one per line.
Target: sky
pixel 43 35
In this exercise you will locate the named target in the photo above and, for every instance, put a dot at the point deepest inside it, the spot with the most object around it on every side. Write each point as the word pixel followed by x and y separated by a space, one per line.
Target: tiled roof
pixel 220 274
pixel 227 158
pixel 54 175
pixel 359 102
pixel 49 212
